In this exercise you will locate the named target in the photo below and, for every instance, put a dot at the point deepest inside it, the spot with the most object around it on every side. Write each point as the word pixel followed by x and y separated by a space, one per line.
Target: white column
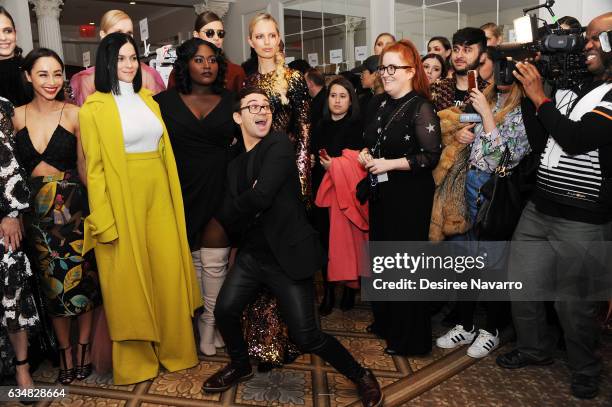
pixel 382 19
pixel 47 16
pixel 351 25
pixel 20 12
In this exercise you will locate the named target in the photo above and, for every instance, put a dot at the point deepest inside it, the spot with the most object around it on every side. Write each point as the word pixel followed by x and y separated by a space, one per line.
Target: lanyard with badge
pixel 376 179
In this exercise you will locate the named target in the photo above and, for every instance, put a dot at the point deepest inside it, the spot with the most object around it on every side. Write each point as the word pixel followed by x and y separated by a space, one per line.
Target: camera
pixel 557 53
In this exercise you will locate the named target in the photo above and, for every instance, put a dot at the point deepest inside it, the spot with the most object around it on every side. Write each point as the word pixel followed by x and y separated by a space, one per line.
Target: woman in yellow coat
pixel 137 223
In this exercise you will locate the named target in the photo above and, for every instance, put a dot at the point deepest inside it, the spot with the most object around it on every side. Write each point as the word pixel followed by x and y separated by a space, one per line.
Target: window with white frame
pixel 331 35
pixel 419 20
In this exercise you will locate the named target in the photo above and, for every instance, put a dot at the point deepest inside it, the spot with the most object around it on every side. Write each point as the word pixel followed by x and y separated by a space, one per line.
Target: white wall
pixel 583 10
pixel 409 24
pixel 506 17
pixel 168 28
pixel 236 20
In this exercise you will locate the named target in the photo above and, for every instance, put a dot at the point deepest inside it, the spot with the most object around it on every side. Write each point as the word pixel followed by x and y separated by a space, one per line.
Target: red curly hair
pixel 408 52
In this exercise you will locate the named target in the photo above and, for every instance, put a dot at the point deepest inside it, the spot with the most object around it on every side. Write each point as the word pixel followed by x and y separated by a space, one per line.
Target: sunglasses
pixel 211 33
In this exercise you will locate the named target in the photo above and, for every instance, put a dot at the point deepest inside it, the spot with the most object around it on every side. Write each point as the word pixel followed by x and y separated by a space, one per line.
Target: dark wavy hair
pixel 107 57
pixel 185 53
pixel 28 64
pixel 353 112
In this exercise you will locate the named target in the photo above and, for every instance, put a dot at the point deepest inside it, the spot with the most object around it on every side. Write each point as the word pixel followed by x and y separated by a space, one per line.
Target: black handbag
pixel 499 213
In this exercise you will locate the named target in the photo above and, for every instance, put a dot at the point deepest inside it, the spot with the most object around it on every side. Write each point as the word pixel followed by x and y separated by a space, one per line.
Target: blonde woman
pixel 287 92
pixel 382 40
pixel 82 83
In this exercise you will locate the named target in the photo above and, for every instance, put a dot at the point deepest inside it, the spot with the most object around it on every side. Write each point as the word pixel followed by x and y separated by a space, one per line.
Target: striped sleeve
pixel 589 133
pixel 604 108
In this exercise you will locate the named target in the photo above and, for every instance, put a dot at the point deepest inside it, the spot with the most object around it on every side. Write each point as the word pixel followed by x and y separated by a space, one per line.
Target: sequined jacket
pixel 292 118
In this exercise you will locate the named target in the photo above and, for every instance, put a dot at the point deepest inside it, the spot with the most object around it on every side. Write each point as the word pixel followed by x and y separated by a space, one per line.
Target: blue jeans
pixel 473 181
pixel 497 312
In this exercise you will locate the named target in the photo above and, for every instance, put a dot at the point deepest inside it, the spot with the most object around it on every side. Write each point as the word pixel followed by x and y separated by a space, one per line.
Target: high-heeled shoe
pixel 65 376
pixel 83 370
pixel 22 400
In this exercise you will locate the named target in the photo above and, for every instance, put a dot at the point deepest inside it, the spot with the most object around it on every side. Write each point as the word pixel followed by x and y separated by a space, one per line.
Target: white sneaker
pixel 455 337
pixel 484 344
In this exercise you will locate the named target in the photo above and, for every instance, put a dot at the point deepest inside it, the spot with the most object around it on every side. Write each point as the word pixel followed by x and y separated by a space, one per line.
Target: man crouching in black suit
pixel 278 249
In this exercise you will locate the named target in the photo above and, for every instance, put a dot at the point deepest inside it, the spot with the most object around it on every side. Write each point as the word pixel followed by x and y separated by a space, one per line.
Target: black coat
pixel 275 198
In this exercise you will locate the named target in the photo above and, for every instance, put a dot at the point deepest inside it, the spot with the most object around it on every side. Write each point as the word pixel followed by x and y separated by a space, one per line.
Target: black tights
pixel 213 235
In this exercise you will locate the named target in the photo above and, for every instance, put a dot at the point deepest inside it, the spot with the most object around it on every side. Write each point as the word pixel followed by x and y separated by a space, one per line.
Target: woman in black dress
pixel 48 148
pixel 340 128
pixel 403 146
pixel 198 115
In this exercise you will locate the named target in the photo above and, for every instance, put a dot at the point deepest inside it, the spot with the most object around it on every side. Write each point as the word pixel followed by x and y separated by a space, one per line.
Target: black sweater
pixel 593 132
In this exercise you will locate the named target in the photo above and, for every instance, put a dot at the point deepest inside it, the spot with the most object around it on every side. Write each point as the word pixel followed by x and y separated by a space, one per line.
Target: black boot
pixel 348 299
pixel 329 298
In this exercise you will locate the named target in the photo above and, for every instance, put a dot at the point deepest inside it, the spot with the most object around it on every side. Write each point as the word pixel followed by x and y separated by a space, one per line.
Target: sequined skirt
pixel 266 333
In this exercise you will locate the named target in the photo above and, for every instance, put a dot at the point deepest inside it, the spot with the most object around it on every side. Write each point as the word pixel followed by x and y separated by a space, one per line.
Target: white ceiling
pixel 77 12
pixel 472 6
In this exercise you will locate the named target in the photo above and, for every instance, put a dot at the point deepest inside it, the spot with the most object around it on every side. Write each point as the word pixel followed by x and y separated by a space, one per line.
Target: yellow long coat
pixel 125 287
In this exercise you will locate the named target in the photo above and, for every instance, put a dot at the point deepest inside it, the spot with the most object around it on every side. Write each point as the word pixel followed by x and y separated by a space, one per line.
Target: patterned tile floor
pixel 445 378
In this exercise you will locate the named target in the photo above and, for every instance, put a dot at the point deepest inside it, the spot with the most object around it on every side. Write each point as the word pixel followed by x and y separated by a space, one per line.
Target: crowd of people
pixel 131 209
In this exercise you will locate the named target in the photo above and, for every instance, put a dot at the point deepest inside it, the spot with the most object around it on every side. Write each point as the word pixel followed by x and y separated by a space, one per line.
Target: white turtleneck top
pixel 141 128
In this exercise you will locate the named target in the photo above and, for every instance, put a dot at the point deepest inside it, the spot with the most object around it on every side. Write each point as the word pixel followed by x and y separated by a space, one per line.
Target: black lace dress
pixel 401 209
pixel 17 307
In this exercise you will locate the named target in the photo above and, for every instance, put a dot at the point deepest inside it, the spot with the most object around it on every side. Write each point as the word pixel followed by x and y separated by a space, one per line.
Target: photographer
pixel 572 203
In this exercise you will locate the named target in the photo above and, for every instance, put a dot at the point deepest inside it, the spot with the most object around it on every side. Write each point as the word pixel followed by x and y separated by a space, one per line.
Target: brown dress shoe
pixel 226 378
pixel 369 390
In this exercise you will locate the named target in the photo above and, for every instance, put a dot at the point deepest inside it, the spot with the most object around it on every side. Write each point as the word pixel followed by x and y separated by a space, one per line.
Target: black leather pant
pixel 296 303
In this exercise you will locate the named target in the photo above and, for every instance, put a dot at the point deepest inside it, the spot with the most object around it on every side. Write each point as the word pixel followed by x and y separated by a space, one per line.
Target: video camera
pixel 561 59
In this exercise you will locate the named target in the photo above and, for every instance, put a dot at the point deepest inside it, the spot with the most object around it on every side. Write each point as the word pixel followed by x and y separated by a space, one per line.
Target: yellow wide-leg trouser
pixel 159 245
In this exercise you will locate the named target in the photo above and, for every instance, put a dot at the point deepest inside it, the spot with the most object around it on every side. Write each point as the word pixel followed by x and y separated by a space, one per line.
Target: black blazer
pixel 275 197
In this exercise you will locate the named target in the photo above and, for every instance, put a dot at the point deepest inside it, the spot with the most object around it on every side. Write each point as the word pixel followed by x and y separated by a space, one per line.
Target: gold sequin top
pixel 292 118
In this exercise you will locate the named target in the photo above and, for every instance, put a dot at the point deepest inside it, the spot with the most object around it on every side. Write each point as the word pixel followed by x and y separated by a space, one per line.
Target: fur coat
pixel 449 215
